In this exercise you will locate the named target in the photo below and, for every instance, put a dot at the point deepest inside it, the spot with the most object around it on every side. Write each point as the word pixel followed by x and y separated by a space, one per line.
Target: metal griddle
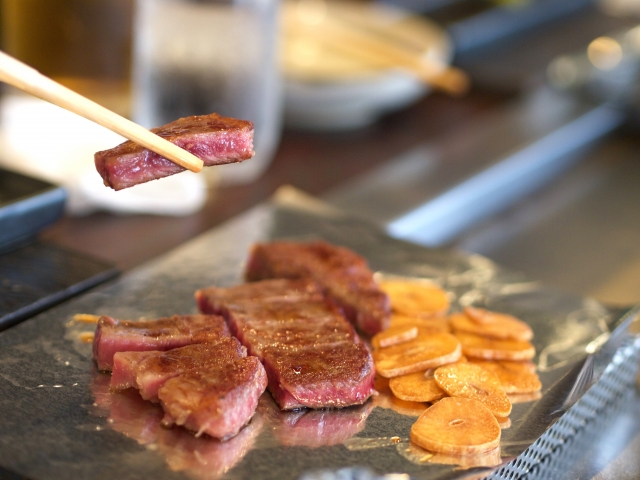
pixel 58 420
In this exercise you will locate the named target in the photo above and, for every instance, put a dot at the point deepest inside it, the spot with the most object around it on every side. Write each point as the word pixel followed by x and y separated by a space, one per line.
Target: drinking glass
pixel 194 57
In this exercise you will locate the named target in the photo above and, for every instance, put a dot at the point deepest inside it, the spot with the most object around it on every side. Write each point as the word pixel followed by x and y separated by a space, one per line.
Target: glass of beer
pixel 83 44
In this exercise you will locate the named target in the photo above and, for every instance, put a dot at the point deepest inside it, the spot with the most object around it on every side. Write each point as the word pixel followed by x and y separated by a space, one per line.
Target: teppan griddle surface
pixel 58 419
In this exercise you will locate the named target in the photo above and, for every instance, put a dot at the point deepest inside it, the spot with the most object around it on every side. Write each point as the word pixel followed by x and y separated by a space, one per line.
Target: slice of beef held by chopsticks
pixel 161 334
pixel 342 273
pixel 312 354
pixel 207 388
pixel 214 139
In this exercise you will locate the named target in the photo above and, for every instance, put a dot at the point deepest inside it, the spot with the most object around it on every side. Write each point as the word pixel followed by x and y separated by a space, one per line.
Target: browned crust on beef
pixel 196 124
pixel 343 274
pixel 288 324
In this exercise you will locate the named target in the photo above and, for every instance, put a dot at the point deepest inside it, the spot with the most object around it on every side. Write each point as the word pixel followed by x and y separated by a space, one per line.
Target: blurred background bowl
pixel 346 64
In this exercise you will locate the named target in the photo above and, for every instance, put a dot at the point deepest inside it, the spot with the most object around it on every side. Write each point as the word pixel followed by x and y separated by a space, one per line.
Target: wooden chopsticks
pixel 25 78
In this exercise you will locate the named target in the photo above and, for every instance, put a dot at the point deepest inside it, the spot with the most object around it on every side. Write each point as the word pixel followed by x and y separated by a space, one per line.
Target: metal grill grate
pixel 563 443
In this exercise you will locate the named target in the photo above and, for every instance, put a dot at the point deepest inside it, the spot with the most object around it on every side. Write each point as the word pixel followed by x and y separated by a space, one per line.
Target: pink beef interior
pixel 125 368
pixel 214 139
pixel 152 370
pixel 162 334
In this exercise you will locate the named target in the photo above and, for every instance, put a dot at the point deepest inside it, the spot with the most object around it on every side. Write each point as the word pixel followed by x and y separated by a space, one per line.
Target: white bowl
pixel 328 89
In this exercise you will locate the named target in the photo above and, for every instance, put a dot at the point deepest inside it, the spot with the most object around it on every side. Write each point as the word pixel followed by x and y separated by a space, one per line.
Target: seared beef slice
pixel 214 139
pixel 162 334
pixel 218 301
pixel 148 371
pixel 312 355
pixel 343 275
pixel 319 377
pixel 207 388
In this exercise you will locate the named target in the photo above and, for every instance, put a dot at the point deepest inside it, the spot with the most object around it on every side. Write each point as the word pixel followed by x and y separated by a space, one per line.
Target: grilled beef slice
pixel 214 139
pixel 207 388
pixel 219 301
pixel 162 334
pixel 217 402
pixel 312 354
pixel 343 275
pixel 320 376
pixel 148 371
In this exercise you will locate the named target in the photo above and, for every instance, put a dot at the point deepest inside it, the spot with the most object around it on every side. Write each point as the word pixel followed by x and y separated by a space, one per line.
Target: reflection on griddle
pixel 419 456
pixel 205 458
pixel 314 428
pixel 202 458
pixel 412 452
pixel 386 399
pixel 524 397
